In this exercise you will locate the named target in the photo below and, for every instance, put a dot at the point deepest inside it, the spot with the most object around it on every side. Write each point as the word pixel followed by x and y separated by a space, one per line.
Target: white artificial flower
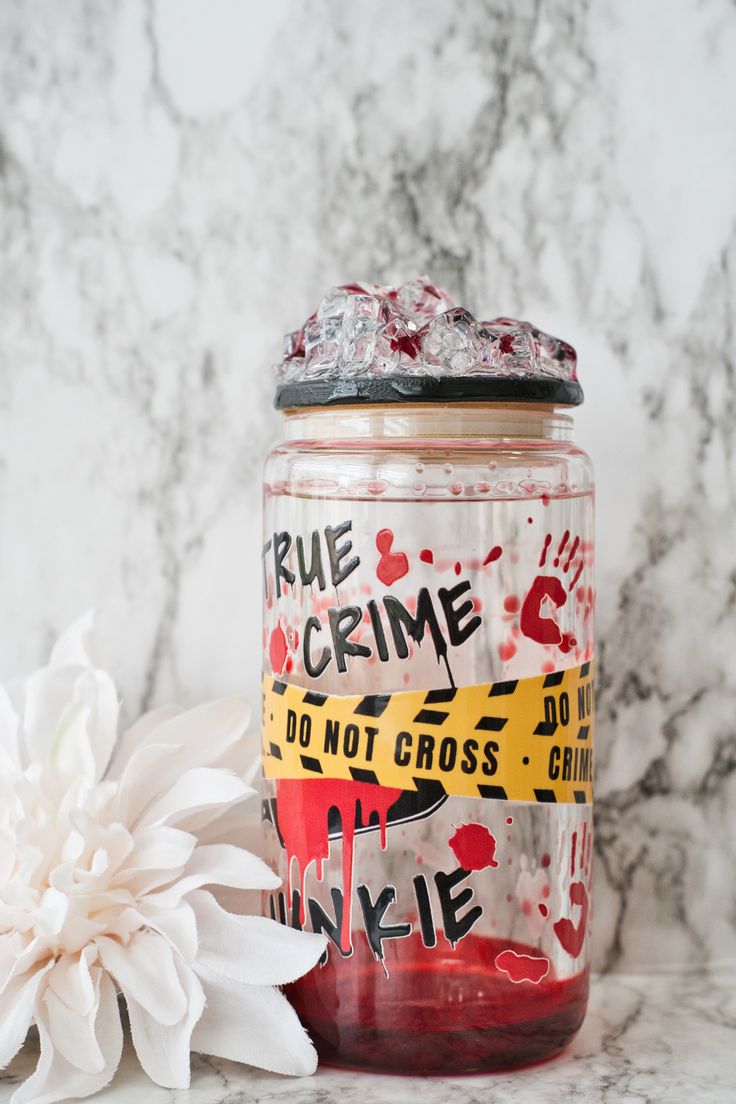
pixel 105 851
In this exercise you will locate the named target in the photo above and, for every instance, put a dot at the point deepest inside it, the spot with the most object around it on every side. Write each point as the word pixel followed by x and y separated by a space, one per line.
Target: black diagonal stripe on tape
pixel 311 764
pixel 500 688
pixel 372 705
pixel 579 797
pixel 278 687
pixel 313 698
pixel 585 670
pixel 491 724
pixel 583 732
pixel 360 774
pixel 545 795
pixel 546 728
pixel 434 784
pixel 431 716
pixel 497 792
pixel 554 679
pixel 274 750
pixel 434 697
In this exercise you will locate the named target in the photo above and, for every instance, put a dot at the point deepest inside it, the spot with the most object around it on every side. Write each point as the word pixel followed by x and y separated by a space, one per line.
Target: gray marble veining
pixel 179 182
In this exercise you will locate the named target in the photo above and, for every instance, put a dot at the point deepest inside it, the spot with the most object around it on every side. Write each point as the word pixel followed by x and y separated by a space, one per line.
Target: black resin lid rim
pixel 426 389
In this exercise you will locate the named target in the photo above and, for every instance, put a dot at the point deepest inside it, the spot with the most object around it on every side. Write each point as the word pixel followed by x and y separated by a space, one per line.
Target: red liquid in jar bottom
pixel 440 1011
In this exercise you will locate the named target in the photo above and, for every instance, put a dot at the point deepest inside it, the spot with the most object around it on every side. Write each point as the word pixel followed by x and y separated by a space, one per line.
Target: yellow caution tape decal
pixel 524 740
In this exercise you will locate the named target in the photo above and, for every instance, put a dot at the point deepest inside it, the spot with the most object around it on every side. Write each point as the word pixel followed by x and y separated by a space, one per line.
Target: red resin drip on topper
pixel 474 847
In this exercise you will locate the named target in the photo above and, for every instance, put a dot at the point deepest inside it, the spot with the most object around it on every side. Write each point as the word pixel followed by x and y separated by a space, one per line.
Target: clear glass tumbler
pixel 428 726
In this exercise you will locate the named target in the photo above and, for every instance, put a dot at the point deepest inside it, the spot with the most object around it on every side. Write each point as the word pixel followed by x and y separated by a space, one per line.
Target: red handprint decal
pixel 570 936
pixel 544 629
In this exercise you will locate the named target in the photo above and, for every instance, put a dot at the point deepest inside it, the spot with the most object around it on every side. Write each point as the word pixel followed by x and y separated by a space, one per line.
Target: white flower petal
pixel 145 970
pixel 139 736
pixel 10 760
pixel 72 982
pixel 217 864
pixel 196 790
pixel 73 1033
pixel 71 648
pixel 148 773
pixel 54 1078
pixel 177 925
pixel 158 849
pixel 16 1012
pixel 202 734
pixel 252 949
pixel 252 1024
pixel 163 1051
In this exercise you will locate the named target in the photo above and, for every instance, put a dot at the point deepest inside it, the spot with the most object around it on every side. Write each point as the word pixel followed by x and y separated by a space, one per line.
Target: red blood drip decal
pixel 277 650
pixel 572 856
pixel 571 554
pixel 543 557
pixel 427 556
pixel 303 812
pixel 572 938
pixel 544 630
pixel 474 847
pixel 494 554
pixel 522 967
pixel 392 565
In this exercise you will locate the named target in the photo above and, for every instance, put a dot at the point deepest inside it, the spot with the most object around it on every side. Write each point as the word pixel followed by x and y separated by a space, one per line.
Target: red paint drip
pixel 277 650
pixel 493 555
pixel 522 967
pixel 572 938
pixel 474 847
pixel 576 576
pixel 543 557
pixel 392 565
pixel 427 556
pixel 571 554
pixel 303 811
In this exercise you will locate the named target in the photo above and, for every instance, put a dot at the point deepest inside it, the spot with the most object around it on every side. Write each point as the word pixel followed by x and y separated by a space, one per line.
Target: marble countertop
pixel 668 1038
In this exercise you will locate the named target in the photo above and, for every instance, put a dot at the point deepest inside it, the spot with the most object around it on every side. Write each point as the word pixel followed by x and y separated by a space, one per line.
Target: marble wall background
pixel 180 180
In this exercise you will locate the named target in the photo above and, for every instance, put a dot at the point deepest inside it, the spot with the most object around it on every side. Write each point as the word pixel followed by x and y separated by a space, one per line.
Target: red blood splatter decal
pixel 303 811
pixel 511 603
pixel 474 847
pixel 277 650
pixel 545 860
pixel 392 565
pixel 458 568
pixel 543 910
pixel 571 937
pixel 427 556
pixel 544 630
pixel 522 967
pixel 494 554
pixel 506 651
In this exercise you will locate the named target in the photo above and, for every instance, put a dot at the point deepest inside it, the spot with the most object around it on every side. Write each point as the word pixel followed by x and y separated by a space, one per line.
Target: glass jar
pixel 428 722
